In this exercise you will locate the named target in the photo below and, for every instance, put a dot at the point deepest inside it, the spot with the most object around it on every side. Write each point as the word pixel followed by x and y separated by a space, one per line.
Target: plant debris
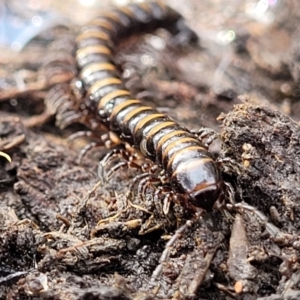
pixel 65 234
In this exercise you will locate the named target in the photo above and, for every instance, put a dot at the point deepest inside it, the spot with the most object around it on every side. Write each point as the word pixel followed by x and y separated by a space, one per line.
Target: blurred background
pixel 247 51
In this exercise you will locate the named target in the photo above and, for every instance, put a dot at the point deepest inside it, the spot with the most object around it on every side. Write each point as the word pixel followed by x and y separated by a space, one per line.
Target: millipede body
pixel 188 165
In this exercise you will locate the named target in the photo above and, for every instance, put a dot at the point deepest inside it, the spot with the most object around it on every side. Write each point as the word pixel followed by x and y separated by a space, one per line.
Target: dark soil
pixel 65 234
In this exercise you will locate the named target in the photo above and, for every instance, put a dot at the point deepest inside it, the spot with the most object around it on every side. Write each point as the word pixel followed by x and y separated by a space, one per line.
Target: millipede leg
pixel 141 178
pixel 168 249
pixel 273 230
pixel 68 118
pixel 109 156
pixel 149 180
pixel 120 165
pixel 77 88
pixel 206 135
pixel 167 201
pixel 145 179
pixel 82 134
pixel 102 141
pixel 55 97
pixel 87 149
pixel 121 152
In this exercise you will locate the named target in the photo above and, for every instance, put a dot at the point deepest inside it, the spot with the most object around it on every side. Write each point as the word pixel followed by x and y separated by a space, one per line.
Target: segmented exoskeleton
pixel 190 168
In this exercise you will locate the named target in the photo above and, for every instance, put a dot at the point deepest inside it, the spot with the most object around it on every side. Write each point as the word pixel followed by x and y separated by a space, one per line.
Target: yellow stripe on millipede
pixel 111 15
pixel 174 144
pixel 102 23
pixel 127 11
pixel 145 6
pixel 92 68
pixel 162 5
pixel 111 96
pixel 136 111
pixel 159 127
pixel 102 83
pixel 145 120
pixel 93 34
pixel 190 148
pixel 168 136
pixel 123 105
pixel 192 164
pixel 96 49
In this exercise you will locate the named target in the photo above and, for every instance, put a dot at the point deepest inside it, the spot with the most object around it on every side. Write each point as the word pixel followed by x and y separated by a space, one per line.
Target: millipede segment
pixel 186 161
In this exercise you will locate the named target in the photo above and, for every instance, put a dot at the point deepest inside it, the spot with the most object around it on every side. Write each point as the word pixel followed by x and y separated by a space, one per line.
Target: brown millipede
pixel 191 170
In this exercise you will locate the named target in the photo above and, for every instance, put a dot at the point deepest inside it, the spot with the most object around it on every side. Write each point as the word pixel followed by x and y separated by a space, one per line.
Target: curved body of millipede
pixel 188 165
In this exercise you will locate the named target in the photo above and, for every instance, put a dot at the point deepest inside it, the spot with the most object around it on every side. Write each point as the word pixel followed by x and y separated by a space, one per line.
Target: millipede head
pixel 208 196
pixel 200 181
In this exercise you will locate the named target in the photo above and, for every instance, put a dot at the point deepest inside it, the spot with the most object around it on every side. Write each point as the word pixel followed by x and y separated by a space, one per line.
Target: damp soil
pixel 66 234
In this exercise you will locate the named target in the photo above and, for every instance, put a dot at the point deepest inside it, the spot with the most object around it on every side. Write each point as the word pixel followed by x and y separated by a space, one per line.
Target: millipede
pixel 185 161
pixel 188 171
